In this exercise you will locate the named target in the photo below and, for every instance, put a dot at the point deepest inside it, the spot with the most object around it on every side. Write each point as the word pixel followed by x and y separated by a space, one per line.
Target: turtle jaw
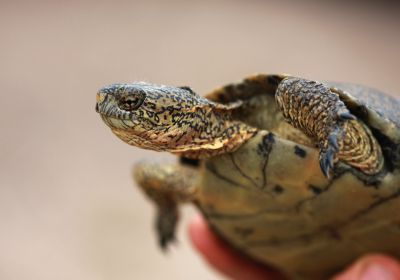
pixel 137 132
pixel 117 123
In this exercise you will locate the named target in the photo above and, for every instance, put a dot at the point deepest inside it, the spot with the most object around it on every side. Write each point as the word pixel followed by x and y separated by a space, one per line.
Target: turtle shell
pixel 270 200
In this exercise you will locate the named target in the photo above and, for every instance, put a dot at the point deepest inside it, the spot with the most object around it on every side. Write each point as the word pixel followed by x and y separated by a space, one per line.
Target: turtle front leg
pixel 166 185
pixel 318 111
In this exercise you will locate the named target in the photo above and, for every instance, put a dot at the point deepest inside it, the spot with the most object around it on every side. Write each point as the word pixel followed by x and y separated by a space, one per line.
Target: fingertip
pixel 203 238
pixel 199 233
pixel 375 266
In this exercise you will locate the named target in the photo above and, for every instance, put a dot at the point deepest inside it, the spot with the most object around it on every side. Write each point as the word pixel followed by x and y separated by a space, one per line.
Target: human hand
pixel 238 267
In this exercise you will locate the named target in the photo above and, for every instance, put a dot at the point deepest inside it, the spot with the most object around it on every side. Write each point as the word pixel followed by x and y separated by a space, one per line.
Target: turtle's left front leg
pixel 166 185
pixel 318 111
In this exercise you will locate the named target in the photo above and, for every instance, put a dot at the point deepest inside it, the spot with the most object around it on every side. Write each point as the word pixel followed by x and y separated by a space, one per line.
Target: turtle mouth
pixel 108 110
pixel 132 133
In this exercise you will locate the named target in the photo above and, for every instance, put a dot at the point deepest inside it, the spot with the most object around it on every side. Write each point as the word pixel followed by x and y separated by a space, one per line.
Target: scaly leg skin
pixel 317 110
pixel 167 185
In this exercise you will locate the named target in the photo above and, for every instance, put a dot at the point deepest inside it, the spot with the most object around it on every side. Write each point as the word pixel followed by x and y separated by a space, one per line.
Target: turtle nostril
pixel 100 99
pixel 100 96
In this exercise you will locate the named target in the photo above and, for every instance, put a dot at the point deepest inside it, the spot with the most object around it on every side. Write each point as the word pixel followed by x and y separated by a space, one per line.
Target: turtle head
pixel 147 115
pixel 164 118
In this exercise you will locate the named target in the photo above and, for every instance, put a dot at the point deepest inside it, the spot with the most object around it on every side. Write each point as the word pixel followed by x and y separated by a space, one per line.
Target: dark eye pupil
pixel 130 103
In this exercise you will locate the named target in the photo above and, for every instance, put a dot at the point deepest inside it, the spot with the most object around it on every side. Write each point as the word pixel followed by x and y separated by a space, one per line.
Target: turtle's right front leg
pixel 318 111
pixel 166 185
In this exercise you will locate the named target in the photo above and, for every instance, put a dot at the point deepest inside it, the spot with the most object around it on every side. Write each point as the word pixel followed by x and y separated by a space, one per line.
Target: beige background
pixel 68 209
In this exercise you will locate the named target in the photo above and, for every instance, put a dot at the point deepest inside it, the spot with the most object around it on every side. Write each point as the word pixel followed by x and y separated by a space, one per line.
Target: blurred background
pixel 68 206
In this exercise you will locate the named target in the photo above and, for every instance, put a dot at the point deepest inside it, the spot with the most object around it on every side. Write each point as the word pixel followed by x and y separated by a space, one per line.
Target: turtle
pixel 295 173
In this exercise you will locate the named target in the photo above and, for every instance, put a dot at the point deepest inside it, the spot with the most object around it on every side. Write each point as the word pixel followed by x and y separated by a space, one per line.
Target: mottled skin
pixel 177 120
pixel 259 183
pixel 319 113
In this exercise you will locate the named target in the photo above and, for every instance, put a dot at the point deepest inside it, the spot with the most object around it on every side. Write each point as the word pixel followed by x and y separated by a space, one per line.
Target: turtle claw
pixel 327 154
pixel 346 116
pixel 165 240
pixel 165 224
pixel 332 140
pixel 326 161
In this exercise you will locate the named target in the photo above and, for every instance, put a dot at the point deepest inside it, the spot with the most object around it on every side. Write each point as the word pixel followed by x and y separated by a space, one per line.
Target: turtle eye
pixel 131 102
